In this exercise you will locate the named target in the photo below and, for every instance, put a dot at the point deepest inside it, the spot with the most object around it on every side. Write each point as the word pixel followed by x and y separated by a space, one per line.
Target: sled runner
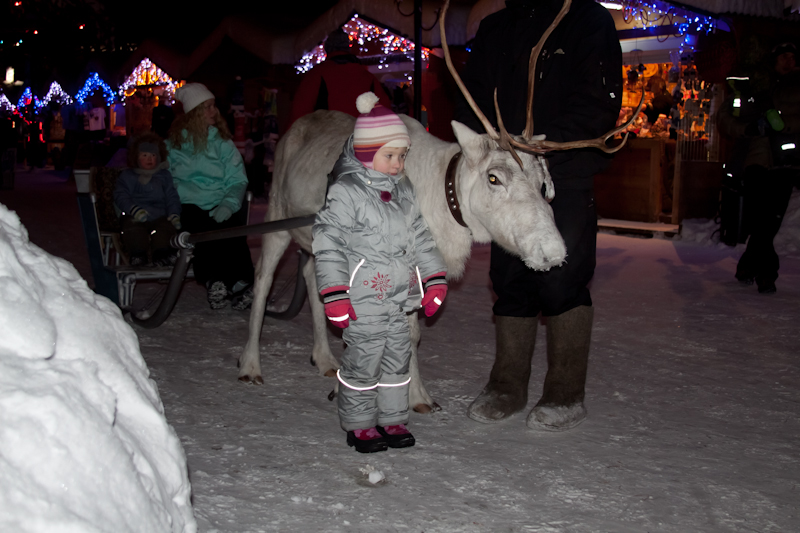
pixel 116 279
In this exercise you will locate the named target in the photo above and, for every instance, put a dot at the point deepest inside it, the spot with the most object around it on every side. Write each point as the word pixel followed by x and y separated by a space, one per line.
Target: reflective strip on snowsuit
pixel 379 361
pixel 389 240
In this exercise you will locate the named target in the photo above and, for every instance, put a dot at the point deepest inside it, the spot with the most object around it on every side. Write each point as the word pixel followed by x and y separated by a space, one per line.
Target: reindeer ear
pixel 472 144
pixel 549 187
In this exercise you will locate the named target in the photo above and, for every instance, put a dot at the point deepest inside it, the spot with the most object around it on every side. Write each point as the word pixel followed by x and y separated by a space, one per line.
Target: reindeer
pixel 478 189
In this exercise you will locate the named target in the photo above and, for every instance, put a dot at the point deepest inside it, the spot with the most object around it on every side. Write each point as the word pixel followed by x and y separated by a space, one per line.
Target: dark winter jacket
pixel 578 92
pixel 786 99
pixel 158 196
pixel 761 145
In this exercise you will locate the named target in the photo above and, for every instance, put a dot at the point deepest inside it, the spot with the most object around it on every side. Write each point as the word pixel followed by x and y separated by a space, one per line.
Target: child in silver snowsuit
pixel 372 247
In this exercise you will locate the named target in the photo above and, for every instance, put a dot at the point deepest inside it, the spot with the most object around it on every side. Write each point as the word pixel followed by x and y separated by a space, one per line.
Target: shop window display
pixel 677 105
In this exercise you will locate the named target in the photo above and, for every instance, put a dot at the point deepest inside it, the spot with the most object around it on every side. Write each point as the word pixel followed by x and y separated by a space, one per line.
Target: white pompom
pixel 366 102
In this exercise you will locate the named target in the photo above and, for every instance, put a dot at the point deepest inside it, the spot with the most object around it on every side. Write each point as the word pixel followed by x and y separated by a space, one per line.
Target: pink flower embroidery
pixel 381 283
pixel 412 280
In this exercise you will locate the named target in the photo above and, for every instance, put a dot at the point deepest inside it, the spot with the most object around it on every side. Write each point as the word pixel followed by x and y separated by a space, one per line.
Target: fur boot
pixel 568 338
pixel 507 390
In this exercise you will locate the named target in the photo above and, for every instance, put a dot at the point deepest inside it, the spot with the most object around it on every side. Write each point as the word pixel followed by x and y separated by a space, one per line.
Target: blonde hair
pixel 194 123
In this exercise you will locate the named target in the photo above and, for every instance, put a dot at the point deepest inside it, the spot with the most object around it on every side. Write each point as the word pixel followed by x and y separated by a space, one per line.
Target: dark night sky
pixel 185 23
pixel 59 50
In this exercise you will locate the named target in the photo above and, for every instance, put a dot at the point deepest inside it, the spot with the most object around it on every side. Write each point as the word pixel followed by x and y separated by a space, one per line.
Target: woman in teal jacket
pixel 209 175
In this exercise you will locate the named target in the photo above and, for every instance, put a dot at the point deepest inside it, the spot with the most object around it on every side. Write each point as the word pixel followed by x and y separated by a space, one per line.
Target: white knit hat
pixel 192 95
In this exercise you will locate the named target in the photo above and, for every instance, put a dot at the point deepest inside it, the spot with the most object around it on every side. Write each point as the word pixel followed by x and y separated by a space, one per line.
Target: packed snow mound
pixel 84 445
pixel 787 241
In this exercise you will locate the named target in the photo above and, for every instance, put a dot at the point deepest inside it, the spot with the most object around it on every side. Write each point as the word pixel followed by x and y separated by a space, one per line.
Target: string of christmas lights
pixel 6 105
pixel 650 13
pixel 361 33
pixel 57 93
pixel 27 99
pixel 147 73
pixel 92 84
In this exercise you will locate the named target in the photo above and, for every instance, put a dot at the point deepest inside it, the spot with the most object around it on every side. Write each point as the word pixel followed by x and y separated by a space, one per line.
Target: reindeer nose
pixel 554 251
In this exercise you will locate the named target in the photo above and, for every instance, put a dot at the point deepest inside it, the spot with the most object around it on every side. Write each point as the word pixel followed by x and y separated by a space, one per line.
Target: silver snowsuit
pixel 371 237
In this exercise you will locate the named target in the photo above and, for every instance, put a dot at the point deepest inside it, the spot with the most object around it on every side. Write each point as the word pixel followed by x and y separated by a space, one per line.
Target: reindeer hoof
pixel 424 408
pixel 330 373
pixel 311 360
pixel 251 381
pixel 332 395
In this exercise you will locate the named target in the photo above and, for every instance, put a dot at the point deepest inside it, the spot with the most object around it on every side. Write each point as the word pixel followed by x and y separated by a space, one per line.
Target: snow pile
pixel 84 445
pixel 787 242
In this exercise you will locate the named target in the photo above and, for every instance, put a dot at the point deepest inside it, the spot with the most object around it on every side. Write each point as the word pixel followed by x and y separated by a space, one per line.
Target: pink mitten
pixel 338 308
pixel 340 312
pixel 433 299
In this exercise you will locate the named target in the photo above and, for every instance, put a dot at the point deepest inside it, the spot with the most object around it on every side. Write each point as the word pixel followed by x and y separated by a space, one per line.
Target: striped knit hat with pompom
pixel 376 127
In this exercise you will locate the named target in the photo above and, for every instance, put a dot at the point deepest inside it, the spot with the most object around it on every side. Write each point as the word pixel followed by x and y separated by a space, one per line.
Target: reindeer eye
pixel 493 180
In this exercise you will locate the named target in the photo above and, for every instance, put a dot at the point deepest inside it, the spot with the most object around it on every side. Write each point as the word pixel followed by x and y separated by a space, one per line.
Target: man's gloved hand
pixel 221 213
pixel 340 312
pixel 139 214
pixel 175 220
pixel 433 299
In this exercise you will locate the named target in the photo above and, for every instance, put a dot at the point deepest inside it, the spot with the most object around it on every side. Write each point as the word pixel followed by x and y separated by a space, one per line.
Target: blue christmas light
pixel 651 14
pixel 27 99
pixel 92 84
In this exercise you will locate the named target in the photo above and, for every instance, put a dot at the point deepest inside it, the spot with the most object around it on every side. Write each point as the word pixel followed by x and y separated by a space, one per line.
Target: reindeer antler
pixel 528 133
pixel 503 139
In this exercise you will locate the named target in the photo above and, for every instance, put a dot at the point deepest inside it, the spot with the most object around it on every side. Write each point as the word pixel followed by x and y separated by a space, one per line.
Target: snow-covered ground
pixel 693 395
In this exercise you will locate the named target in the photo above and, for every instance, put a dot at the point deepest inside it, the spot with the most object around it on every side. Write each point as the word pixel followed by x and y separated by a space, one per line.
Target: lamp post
pixel 418 59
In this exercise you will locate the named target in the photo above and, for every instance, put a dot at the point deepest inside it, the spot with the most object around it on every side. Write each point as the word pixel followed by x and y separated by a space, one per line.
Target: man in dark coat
pixel 577 96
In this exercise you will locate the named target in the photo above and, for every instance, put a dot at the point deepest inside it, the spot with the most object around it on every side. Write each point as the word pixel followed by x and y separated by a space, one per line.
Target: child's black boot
pixel 366 440
pixel 397 436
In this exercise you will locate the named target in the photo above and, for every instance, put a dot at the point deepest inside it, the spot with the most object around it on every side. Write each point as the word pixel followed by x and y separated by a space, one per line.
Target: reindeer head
pixel 505 184
pixel 506 202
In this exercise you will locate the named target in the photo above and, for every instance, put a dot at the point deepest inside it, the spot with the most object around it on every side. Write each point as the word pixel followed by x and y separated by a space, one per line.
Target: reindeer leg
pixel 418 397
pixel 321 354
pixel 273 245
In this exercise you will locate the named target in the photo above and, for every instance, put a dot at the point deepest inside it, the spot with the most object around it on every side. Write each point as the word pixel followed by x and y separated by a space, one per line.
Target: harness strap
pixel 450 191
